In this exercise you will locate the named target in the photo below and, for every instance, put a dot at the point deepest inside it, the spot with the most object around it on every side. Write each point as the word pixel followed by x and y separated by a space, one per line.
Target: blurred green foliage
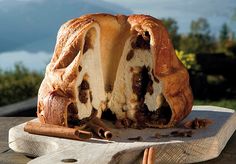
pixel 197 43
pixel 209 59
pixel 227 103
pixel 224 33
pixel 188 59
pixel 200 39
pixel 18 84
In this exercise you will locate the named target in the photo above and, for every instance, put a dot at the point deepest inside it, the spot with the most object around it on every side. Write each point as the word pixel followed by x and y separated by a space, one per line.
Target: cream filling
pixel 123 101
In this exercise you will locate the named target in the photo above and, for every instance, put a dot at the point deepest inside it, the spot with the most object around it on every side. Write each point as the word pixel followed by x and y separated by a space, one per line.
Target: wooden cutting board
pixel 204 144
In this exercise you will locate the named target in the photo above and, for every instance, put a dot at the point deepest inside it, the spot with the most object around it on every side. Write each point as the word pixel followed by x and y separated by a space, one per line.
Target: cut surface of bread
pixel 123 63
pixel 137 94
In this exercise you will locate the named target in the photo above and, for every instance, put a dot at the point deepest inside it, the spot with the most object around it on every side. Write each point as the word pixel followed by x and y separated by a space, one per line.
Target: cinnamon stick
pixel 56 131
pixel 99 122
pixel 96 129
pixel 100 131
pixel 100 128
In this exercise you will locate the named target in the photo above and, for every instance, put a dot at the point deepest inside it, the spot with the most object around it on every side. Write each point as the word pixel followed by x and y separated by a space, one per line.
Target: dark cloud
pixel 33 25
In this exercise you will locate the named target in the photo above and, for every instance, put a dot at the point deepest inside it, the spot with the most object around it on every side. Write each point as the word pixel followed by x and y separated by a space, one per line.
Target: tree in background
pixel 172 27
pixel 231 44
pixel 227 41
pixel 224 33
pixel 199 39
pixel 200 26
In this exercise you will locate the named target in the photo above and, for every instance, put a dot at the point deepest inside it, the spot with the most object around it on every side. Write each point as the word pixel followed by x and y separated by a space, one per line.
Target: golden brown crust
pixel 58 89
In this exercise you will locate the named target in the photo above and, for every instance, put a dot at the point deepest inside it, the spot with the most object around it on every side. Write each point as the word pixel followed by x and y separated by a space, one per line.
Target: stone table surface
pixel 7 156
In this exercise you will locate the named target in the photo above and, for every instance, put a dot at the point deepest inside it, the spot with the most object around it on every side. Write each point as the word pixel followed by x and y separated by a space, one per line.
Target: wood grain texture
pixel 7 156
pixel 205 143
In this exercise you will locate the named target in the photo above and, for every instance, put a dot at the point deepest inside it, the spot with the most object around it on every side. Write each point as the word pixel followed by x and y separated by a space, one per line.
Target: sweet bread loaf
pixel 123 63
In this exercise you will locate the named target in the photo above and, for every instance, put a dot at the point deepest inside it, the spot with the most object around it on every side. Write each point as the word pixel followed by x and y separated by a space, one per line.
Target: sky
pixel 29 27
pixel 216 12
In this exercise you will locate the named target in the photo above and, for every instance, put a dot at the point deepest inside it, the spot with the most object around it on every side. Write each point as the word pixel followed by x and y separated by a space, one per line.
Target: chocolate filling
pixel 130 55
pixel 72 110
pixel 75 121
pixel 142 41
pixel 108 115
pixel 91 96
pixel 80 68
pixel 72 113
pixel 150 87
pixel 83 92
pixel 141 84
